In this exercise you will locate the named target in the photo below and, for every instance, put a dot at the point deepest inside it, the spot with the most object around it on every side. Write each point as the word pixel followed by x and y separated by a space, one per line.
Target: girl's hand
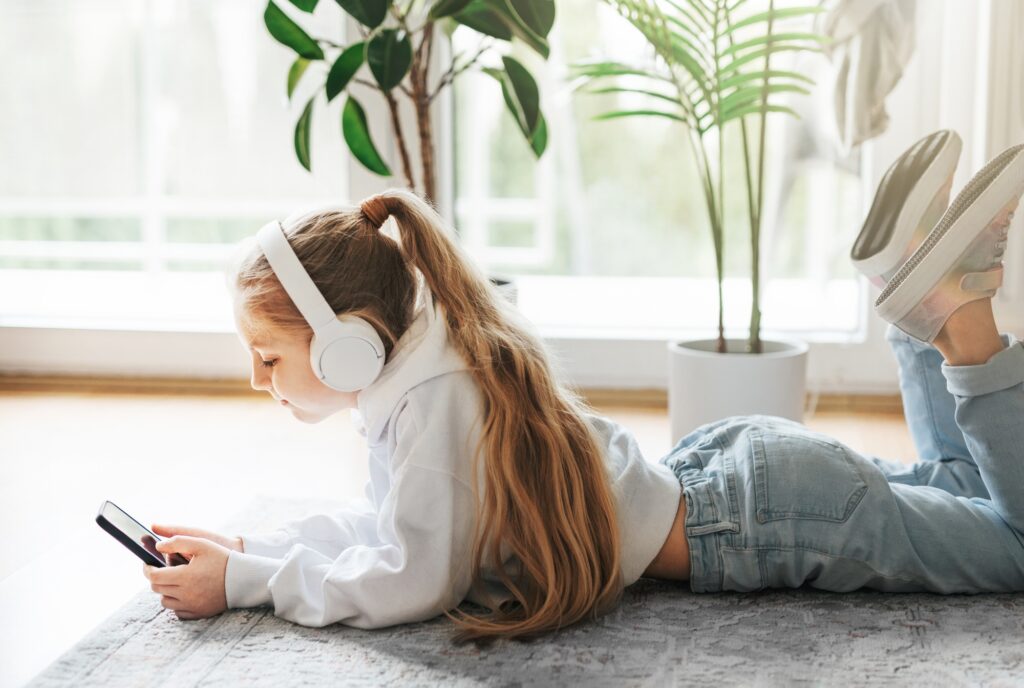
pixel 234 543
pixel 194 590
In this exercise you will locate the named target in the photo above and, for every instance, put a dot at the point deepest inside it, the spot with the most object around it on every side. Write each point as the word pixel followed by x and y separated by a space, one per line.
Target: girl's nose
pixel 260 380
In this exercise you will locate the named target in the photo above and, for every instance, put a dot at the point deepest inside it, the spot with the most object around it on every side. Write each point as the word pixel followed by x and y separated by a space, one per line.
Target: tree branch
pixel 403 151
pixel 450 75
pixel 421 101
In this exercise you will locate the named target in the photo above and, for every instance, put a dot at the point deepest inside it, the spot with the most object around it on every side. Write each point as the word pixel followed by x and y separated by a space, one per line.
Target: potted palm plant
pixel 714 70
pixel 396 43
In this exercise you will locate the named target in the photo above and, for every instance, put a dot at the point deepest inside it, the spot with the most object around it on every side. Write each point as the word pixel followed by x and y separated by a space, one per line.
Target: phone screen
pixel 135 531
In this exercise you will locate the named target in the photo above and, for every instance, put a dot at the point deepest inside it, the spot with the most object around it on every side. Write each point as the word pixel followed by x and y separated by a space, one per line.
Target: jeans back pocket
pixel 797 475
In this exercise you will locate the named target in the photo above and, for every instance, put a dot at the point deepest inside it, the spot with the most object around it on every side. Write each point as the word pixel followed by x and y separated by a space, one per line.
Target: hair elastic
pixel 375 210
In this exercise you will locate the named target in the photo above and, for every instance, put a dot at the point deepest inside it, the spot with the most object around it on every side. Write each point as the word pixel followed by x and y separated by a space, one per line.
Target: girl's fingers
pixel 160 529
pixel 172 603
pixel 170 590
pixel 168 575
pixel 187 616
pixel 186 545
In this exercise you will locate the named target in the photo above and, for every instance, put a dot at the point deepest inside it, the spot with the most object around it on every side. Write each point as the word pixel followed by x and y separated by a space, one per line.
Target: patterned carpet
pixel 661 635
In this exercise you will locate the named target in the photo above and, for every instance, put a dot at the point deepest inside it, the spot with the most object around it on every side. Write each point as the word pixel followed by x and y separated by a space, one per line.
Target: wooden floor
pixel 190 460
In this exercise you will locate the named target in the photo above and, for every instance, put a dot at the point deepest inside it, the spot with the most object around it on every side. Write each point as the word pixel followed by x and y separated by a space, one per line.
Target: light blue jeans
pixel 771 503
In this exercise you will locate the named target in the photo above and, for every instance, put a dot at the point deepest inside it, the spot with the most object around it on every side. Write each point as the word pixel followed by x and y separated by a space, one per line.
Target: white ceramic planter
pixel 704 385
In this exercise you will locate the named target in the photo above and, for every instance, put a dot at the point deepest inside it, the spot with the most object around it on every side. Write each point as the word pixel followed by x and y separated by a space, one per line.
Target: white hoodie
pixel 402 553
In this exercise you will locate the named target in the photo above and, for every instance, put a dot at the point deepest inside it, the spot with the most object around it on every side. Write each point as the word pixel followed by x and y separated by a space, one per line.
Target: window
pixel 613 217
pixel 142 137
pixel 149 137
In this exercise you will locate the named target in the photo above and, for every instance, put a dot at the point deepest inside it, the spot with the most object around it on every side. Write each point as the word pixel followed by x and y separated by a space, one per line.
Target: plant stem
pixel 754 341
pixel 421 100
pixel 755 304
pixel 721 190
pixel 400 136
pixel 714 217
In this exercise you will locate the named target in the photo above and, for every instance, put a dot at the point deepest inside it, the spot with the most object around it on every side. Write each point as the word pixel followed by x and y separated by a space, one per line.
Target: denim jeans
pixel 771 503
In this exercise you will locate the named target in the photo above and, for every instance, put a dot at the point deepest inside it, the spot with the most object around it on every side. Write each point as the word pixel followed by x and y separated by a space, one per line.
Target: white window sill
pixel 619 308
pixel 602 332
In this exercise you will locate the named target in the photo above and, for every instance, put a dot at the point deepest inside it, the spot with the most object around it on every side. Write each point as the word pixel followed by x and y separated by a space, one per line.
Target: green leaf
pixel 536 136
pixel 389 55
pixel 302 135
pixel 772 75
pixel 480 16
pixel 700 13
pixel 446 8
pixel 692 66
pixel 774 39
pixel 287 32
pixel 357 136
pixel 620 89
pixel 775 14
pixel 689 23
pixel 298 68
pixel 598 69
pixel 734 66
pixel 520 28
pixel 539 15
pixel 539 139
pixel 343 69
pixel 756 109
pixel 369 13
pixel 699 53
pixel 754 95
pixel 305 5
pixel 634 113
pixel 527 96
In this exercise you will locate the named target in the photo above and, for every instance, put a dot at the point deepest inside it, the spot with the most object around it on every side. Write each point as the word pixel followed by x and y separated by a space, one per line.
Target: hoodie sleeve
pixel 329 534
pixel 418 569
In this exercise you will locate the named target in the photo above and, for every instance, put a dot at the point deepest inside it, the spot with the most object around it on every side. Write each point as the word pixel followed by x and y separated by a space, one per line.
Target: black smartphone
pixel 135 536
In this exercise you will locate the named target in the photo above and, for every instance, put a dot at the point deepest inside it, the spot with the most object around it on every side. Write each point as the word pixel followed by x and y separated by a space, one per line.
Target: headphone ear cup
pixel 349 356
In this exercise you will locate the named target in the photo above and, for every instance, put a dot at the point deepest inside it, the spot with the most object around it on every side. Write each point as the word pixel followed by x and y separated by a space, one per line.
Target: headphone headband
pixel 345 353
pixel 293 277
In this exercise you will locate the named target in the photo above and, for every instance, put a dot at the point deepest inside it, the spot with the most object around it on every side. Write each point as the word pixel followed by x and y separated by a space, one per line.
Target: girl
pixel 490 481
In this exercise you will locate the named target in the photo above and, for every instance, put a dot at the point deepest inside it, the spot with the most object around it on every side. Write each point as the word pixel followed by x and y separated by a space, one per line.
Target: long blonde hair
pixel 548 498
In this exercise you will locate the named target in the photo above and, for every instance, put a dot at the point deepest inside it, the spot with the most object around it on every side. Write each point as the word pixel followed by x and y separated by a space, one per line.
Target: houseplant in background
pixel 714 70
pixel 397 45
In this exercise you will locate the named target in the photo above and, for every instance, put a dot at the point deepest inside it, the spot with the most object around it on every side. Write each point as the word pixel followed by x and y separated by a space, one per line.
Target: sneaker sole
pixel 895 212
pixel 987 195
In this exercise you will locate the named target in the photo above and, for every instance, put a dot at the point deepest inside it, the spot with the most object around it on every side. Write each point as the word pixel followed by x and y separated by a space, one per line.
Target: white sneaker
pixel 909 200
pixel 961 258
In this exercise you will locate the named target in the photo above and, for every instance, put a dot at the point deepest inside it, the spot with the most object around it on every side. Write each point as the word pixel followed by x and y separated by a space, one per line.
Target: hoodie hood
pixel 422 353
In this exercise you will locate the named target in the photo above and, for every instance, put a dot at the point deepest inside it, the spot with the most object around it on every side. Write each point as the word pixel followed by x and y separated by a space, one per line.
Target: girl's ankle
pixel 970 336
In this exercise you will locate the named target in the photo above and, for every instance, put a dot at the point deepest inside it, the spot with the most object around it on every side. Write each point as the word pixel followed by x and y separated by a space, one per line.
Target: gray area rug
pixel 661 635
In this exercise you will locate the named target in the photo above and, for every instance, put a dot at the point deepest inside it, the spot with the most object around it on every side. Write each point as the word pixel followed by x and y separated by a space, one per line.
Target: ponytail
pixel 548 498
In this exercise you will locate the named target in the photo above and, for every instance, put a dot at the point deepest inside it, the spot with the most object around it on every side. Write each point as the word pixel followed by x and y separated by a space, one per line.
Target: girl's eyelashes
pixel 269 364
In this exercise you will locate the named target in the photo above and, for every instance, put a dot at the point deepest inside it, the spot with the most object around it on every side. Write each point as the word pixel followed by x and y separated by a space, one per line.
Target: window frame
pixel 858 362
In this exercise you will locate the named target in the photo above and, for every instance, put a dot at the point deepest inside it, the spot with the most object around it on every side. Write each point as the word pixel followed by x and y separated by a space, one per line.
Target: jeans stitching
pixel 767 513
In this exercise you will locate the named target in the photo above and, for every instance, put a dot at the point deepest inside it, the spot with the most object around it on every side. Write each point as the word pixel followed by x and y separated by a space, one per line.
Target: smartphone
pixel 134 536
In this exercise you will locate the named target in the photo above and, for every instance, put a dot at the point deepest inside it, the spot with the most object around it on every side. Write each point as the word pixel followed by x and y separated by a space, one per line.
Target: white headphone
pixel 346 353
